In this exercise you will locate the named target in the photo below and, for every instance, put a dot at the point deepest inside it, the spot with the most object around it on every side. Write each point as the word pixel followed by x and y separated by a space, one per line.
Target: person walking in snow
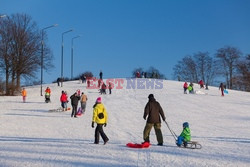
pixel 83 101
pixel 110 85
pixel 100 117
pixel 24 94
pixel 152 113
pixel 185 135
pixel 221 87
pixel 74 102
pixel 64 100
pixel 103 88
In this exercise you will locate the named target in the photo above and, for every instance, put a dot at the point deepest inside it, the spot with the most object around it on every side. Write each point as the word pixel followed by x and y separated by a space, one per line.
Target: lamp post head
pixel 67 31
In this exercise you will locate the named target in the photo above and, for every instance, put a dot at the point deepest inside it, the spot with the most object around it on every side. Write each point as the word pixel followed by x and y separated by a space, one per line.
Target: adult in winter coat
pixel 221 87
pixel 83 101
pixel 185 135
pixel 64 100
pixel 100 117
pixel 74 102
pixel 24 94
pixel 152 112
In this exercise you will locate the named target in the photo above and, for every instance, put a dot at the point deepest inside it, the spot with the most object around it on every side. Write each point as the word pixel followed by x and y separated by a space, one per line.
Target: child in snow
pixel 185 135
pixel 47 94
pixel 24 94
pixel 185 86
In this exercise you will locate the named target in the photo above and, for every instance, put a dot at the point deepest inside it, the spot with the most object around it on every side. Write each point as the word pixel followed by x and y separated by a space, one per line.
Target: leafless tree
pixel 205 66
pixel 186 70
pixel 242 79
pixel 228 57
pixel 20 48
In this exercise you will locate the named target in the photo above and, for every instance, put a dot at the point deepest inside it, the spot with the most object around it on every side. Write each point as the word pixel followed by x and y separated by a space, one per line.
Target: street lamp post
pixel 42 55
pixel 72 48
pixel 62 57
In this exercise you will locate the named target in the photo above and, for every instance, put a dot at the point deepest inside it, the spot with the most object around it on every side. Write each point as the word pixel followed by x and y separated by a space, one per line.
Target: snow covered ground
pixel 31 136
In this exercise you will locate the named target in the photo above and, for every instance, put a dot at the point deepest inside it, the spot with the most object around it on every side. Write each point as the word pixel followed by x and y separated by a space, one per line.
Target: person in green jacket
pixel 185 135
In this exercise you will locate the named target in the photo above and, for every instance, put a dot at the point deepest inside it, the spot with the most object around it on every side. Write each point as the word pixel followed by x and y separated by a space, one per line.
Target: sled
pixel 225 91
pixel 136 145
pixel 191 145
pixel 79 112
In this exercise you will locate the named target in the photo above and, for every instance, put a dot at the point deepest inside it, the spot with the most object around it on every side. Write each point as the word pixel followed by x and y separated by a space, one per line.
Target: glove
pixel 164 119
pixel 105 124
pixel 93 125
pixel 144 118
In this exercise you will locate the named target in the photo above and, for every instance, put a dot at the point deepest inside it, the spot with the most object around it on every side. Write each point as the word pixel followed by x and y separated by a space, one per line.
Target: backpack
pixel 100 115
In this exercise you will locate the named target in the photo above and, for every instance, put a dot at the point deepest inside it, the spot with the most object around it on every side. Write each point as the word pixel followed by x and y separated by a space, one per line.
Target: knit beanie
pixel 99 100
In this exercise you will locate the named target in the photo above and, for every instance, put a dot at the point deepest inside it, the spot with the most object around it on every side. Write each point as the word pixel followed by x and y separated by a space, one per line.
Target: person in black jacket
pixel 152 112
pixel 74 102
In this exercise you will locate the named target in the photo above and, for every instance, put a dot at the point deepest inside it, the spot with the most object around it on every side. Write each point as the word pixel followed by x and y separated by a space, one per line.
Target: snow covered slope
pixel 32 136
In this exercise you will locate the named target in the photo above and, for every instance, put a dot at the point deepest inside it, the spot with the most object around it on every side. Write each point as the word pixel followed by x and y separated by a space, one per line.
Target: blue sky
pixel 120 35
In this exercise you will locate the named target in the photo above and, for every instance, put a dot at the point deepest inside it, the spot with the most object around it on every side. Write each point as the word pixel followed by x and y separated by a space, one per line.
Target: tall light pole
pixel 42 55
pixel 62 56
pixel 72 48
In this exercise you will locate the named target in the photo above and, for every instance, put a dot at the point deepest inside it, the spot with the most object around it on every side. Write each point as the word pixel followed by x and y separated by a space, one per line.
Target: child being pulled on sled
pixel 185 135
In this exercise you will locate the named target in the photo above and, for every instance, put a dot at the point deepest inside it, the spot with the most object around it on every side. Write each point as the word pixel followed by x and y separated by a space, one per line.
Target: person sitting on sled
pixel 185 135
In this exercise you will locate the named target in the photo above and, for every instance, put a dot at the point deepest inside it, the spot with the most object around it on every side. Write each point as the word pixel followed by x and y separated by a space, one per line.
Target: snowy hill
pixel 32 136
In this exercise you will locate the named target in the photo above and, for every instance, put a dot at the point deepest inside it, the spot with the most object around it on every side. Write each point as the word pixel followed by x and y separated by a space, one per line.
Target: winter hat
pixel 150 96
pixel 99 100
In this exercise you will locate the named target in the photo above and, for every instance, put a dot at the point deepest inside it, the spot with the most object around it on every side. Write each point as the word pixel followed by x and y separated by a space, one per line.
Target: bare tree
pixel 205 66
pixel 21 49
pixel 186 70
pixel 6 52
pixel 242 79
pixel 228 57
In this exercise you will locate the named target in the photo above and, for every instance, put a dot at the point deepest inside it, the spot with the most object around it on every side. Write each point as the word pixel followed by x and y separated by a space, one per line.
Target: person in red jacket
pixel 64 101
pixel 201 83
pixel 185 86
pixel 221 87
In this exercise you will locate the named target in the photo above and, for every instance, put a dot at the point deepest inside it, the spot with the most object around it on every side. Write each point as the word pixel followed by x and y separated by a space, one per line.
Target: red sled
pixel 136 145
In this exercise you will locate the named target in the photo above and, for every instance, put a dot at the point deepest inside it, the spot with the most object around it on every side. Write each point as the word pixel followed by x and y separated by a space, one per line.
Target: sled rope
pixel 171 131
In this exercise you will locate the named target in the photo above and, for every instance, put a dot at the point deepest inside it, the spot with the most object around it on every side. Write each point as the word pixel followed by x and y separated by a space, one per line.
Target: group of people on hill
pixel 75 98
pixel 152 113
pixel 146 75
pixel 190 87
